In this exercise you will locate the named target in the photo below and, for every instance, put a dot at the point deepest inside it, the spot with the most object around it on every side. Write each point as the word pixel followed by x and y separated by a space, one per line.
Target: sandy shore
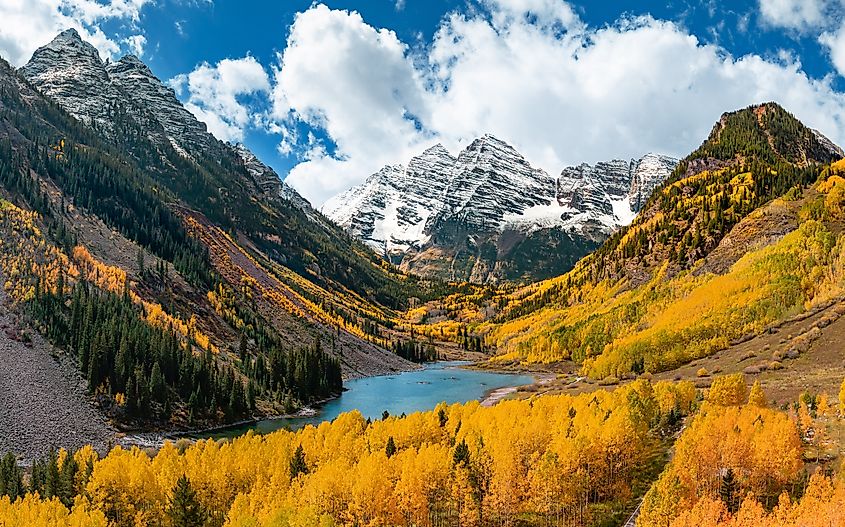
pixel 497 395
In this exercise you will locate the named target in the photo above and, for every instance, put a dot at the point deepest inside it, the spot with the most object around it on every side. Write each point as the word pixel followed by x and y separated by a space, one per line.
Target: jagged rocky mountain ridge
pixel 163 161
pixel 492 212
pixel 104 94
pixel 268 180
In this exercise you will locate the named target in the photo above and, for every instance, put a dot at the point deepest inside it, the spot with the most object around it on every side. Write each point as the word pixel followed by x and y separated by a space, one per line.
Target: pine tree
pixel 390 448
pixel 461 455
pixel 242 348
pixel 184 509
pixel 67 479
pixel 158 390
pixel 53 479
pixel 297 463
pixel 727 490
pixel 11 478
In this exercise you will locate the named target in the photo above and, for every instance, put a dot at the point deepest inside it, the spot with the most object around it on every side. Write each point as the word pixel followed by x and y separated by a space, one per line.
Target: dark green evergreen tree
pixel 461 454
pixel 297 463
pixel 390 447
pixel 184 509
pixel 728 490
pixel 11 478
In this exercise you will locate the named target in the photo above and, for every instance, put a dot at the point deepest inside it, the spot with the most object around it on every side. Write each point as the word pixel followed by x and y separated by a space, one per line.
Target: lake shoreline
pixel 495 396
pixel 489 397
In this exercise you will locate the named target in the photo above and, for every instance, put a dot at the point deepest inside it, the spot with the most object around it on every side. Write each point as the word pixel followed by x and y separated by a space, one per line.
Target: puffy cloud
pixel 834 41
pixel 547 13
pixel 359 85
pixel 799 15
pixel 793 14
pixel 215 94
pixel 527 71
pixel 136 44
pixel 28 24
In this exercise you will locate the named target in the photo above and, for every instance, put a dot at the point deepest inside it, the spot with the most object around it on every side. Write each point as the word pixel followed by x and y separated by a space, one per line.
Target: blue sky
pixel 328 92
pixel 226 29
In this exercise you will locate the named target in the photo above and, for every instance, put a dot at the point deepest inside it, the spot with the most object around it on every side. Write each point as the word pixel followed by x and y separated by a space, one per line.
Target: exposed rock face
pixel 491 213
pixel 69 71
pixel 119 98
pixel 491 180
pixel 828 145
pixel 268 180
pixel 601 198
pixel 184 131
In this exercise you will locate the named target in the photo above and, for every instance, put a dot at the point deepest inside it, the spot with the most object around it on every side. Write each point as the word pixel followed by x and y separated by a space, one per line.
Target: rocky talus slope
pixel 44 403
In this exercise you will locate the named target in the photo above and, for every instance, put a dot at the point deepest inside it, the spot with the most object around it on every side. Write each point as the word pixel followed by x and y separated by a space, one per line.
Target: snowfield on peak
pixel 489 187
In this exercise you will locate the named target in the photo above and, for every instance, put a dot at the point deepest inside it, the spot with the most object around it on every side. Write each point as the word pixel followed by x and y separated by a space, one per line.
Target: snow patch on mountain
pixel 489 187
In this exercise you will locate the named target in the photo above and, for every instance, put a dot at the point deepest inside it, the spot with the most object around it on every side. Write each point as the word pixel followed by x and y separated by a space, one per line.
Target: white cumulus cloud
pixel 834 41
pixel 136 44
pixel 527 71
pixel 798 15
pixel 27 24
pixel 215 94
pixel 358 84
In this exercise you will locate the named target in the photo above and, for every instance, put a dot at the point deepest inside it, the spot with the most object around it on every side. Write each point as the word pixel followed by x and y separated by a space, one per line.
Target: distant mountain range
pixel 488 215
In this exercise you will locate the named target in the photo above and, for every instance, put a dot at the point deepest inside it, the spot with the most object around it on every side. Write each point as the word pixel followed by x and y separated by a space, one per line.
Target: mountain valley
pixel 128 206
pixel 163 292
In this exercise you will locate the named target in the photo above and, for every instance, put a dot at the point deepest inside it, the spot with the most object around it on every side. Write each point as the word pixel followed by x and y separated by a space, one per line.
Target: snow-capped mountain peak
pixel 490 188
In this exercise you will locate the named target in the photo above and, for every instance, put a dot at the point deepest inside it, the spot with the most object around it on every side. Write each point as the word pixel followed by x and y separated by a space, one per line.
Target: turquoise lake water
pixel 406 392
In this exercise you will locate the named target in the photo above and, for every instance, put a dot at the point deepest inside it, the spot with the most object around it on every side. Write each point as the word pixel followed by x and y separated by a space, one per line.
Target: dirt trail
pixel 43 400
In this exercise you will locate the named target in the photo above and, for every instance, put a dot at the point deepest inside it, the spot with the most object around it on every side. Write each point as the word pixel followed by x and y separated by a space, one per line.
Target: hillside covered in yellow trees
pixel 553 460
pixel 746 234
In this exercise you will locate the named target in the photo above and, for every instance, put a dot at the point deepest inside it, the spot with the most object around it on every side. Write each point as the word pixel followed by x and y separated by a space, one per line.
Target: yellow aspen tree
pixel 842 398
pixel 757 397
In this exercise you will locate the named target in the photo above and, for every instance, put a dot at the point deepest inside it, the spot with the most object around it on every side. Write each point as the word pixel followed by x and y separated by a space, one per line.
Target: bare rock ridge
pixel 69 70
pixel 489 199
pixel 184 131
pixel 106 94
pixel 267 179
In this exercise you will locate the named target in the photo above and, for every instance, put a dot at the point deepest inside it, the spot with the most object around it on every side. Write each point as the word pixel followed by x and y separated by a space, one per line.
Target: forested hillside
pixel 550 461
pixel 184 295
pixel 721 456
pixel 746 233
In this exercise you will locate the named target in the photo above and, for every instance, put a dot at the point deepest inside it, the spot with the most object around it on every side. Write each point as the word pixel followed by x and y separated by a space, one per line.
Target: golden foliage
pixel 113 279
pixel 31 511
pixel 822 505
pixel 760 446
pixel 728 390
pixel 27 259
pixel 551 456
pixel 664 323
